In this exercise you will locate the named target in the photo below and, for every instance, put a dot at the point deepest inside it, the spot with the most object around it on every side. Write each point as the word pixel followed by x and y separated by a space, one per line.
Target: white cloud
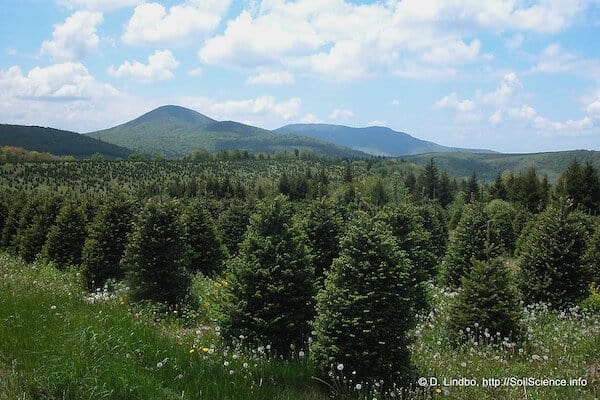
pixel 195 72
pixel 505 92
pixel 98 5
pixel 64 96
pixel 378 122
pixel 529 115
pixel 554 59
pixel 58 82
pixel 593 109
pixel 159 68
pixel 341 114
pixel 514 42
pixel 310 119
pixel 271 78
pixel 340 40
pixel 496 118
pixel 152 23
pixel 395 102
pixel 451 101
pixel 75 38
pixel 261 111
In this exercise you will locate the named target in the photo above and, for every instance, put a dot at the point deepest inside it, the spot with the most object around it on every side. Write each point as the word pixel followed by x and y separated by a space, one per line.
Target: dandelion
pixel 205 349
pixel 358 386
pixel 245 365
pixel 226 364
pixel 211 351
pixel 301 354
pixel 160 364
pixel 53 307
pixel 340 367
pixel 191 351
pixel 230 372
pixel 463 364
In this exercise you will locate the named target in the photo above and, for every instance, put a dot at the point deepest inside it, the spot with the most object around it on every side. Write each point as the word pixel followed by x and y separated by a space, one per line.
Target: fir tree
pixel 552 265
pixel 469 241
pixel 106 242
pixel 434 221
pixel 154 256
pixel 270 284
pixel 366 308
pixel 487 300
pixel 32 239
pixel 205 251
pixel 430 180
pixel 501 216
pixel 233 222
pixel 65 240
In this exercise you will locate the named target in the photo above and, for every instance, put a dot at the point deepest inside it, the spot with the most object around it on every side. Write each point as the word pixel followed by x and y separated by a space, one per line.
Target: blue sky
pixel 507 75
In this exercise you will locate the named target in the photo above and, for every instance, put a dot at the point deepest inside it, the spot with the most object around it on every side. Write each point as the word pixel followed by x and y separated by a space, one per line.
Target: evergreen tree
pixel 105 245
pixel 33 237
pixel 347 176
pixel 592 256
pixel 445 193
pixel 366 308
pixel 488 300
pixel 270 284
pixel 407 227
pixel 498 189
pixel 472 188
pixel 154 256
pixel 501 215
pixel 434 221
pixel 233 222
pixel 552 265
pixel 11 224
pixel 322 225
pixel 65 240
pixel 205 251
pixel 430 180
pixel 468 242
pixel 582 186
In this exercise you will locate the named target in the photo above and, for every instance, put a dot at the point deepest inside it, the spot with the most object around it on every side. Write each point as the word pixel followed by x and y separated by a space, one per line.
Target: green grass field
pixel 56 343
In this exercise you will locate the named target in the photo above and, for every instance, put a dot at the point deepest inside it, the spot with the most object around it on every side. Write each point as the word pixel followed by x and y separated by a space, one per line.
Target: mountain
pixel 487 166
pixel 57 142
pixel 174 131
pixel 376 140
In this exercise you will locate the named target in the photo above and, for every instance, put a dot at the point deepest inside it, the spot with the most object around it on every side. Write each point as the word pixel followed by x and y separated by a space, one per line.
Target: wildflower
pixel 340 367
pixel 268 347
pixel 245 365
pixel 205 349
pixel 226 364
pixel 211 351
pixel 301 353
pixel 230 372
pixel 463 364
pixel 438 390
pixel 191 351
pixel 358 386
pixel 160 364
pixel 53 307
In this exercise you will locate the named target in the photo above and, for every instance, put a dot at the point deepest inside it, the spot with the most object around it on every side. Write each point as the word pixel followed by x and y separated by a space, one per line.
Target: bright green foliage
pixel 32 238
pixel 154 256
pixel 501 215
pixel 455 210
pixel 106 242
pixel 322 224
pixel 581 184
pixel 412 238
pixel 270 283
pixel 233 223
pixel 488 300
pixel 366 308
pixel 552 265
pixel 527 190
pixel 434 221
pixel 64 244
pixel 205 251
pixel 469 241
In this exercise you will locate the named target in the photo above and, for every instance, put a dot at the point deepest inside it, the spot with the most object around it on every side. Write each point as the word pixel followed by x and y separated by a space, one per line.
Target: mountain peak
pixel 172 114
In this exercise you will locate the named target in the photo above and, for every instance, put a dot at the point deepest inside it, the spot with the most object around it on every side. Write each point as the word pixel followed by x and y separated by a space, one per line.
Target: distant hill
pixel 374 140
pixel 174 131
pixel 487 166
pixel 57 142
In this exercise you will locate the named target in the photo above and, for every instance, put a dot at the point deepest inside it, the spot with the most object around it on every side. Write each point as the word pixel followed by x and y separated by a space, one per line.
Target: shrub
pixel 205 251
pixel 106 242
pixel 366 307
pixel 154 256
pixel 65 240
pixel 270 284
pixel 469 241
pixel 552 265
pixel 487 300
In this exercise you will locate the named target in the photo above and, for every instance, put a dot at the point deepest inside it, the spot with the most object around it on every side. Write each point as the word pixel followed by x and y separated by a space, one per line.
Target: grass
pixel 56 343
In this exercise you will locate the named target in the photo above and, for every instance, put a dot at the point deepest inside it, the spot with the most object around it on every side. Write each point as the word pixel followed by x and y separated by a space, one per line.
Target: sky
pixel 506 75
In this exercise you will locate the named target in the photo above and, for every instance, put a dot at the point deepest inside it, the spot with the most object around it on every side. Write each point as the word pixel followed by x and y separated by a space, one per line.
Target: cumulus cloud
pixel 529 115
pixel 554 59
pixel 261 111
pixel 505 92
pixel 159 68
pixel 98 5
pixel 152 23
pixel 75 38
pixel 452 101
pixel 271 78
pixel 340 40
pixel 341 114
pixel 496 118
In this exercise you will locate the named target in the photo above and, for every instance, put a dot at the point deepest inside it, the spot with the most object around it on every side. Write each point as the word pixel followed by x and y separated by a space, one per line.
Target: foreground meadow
pixel 59 342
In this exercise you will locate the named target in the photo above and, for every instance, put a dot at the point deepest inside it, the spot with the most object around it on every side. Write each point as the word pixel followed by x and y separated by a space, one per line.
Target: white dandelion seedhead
pixel 340 367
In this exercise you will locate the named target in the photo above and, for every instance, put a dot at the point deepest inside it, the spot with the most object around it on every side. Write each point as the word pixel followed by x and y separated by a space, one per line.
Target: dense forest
pixel 295 276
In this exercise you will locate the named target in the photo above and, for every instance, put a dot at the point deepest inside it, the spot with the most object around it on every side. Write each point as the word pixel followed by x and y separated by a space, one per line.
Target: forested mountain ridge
pixel 487 166
pixel 174 131
pixel 376 140
pixel 57 142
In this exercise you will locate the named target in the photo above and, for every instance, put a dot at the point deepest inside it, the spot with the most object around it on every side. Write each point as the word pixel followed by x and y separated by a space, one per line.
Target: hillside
pixel 174 131
pixel 57 142
pixel 487 166
pixel 374 140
